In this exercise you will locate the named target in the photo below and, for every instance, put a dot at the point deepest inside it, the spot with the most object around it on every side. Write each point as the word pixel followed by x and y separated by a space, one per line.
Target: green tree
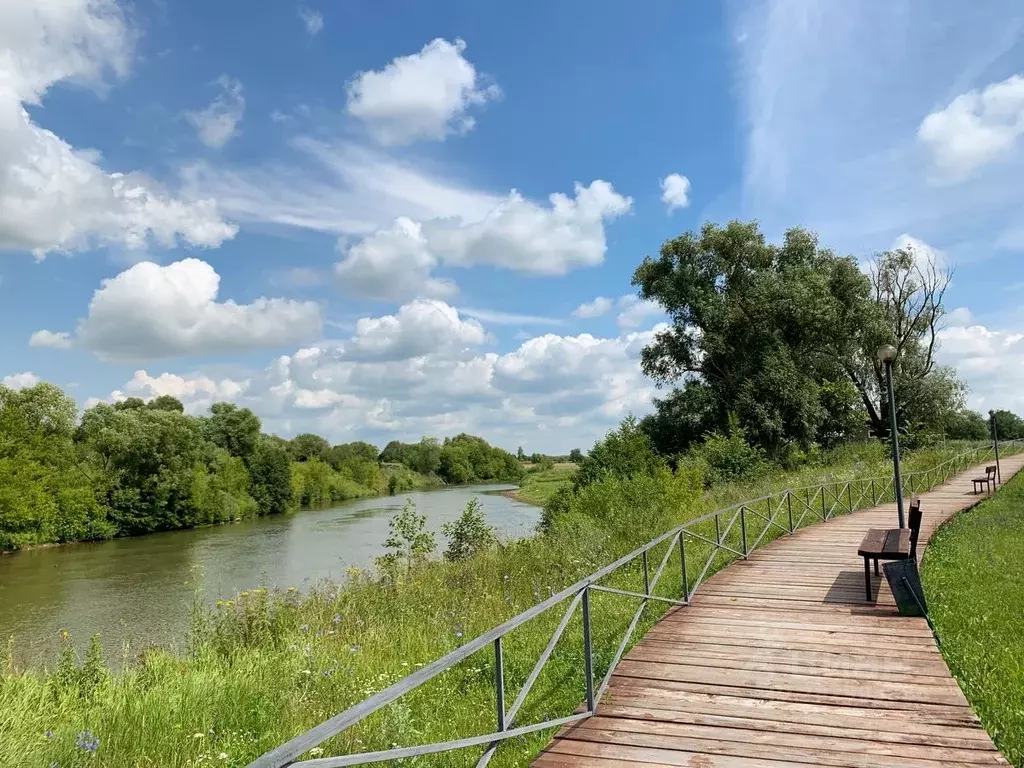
pixel 623 452
pixel 966 425
pixel 520 454
pixel 308 446
pixel 469 534
pixel 270 472
pixel 236 430
pixel 1008 425
pixel 575 455
pixel 409 540
pixel 166 403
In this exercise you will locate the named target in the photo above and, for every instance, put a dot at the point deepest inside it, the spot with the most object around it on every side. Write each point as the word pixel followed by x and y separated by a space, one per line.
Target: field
pixel 269 664
pixel 973 577
pixel 540 485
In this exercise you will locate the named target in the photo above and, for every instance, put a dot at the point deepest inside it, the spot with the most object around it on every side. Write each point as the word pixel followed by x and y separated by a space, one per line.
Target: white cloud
pixel 556 392
pixel 342 189
pixel 392 265
pixel 218 123
pixel 976 128
pixel 991 361
pixel 20 380
pixel 425 95
pixel 507 318
pixel 52 196
pixel 633 311
pixel 519 234
pixel 922 251
pixel 675 191
pixel 834 96
pixel 420 327
pixel 599 306
pixel 151 311
pixel 314 20
pixel 44 338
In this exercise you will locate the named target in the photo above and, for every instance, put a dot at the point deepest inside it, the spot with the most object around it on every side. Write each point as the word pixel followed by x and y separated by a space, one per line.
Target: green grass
pixel 264 667
pixel 973 575
pixel 537 487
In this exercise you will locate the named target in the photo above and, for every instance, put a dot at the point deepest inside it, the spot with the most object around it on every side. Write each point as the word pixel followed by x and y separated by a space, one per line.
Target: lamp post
pixel 886 354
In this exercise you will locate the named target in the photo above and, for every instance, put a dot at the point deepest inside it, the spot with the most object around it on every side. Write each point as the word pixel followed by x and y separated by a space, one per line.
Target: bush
pixel 469 534
pixel 728 458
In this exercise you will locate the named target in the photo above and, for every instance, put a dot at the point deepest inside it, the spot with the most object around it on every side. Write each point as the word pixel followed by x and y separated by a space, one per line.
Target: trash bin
pixel 905 583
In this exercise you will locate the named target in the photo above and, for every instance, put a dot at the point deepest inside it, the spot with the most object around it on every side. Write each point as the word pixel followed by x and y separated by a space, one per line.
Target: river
pixel 141 589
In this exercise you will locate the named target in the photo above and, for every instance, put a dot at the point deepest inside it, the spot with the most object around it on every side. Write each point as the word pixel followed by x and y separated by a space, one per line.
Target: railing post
pixel 647 578
pixel 849 498
pixel 682 564
pixel 588 656
pixel 743 528
pixel 718 531
pixel 995 446
pixel 499 682
pixel 873 502
pixel 823 517
pixel 789 507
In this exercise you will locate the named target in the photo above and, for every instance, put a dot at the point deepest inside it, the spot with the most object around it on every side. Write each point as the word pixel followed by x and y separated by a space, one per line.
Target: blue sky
pixel 376 221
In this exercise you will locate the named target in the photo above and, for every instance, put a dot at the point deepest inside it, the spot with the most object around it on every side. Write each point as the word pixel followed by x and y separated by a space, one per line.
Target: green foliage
pixel 784 338
pixel 1008 425
pixel 575 455
pixel 623 452
pixel 973 576
pixel 306 447
pixel 236 430
pixel 728 458
pixel 469 534
pixel 969 425
pixel 270 469
pixel 409 542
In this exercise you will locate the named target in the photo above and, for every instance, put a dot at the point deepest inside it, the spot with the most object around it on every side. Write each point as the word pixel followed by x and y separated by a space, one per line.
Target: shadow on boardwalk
pixel 781 661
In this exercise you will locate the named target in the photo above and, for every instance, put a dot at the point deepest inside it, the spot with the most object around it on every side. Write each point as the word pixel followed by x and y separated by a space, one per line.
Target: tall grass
pixel 269 664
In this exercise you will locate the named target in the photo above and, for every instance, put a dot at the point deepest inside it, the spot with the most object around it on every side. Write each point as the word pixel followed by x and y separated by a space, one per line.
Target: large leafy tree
pixel 782 337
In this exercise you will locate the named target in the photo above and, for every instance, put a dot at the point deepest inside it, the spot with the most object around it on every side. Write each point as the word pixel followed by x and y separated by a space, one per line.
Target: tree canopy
pixel 782 338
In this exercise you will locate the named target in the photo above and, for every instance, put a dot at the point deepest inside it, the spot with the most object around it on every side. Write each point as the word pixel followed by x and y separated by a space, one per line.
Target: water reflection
pixel 141 589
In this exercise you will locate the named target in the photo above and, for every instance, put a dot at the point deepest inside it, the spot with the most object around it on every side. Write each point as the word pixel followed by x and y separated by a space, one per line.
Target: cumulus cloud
pixel 425 95
pixel 599 306
pixel 151 311
pixel 989 360
pixel 313 20
pixel 555 391
pixel 20 380
pixel 218 123
pixel 393 264
pixel 521 235
pixel 44 338
pixel 420 327
pixel 634 311
pixel 52 196
pixel 675 191
pixel 976 128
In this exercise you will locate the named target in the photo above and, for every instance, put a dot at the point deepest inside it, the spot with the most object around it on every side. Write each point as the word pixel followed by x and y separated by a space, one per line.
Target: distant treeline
pixel 135 467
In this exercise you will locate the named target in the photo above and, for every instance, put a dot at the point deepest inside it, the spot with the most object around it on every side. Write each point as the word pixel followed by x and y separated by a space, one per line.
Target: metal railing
pixel 715 533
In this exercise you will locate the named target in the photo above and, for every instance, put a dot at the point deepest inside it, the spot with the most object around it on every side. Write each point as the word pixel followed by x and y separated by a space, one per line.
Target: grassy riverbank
pixel 265 666
pixel 973 577
pixel 540 485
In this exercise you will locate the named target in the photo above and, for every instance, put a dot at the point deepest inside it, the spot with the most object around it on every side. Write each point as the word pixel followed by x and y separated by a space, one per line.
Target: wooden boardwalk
pixel 780 661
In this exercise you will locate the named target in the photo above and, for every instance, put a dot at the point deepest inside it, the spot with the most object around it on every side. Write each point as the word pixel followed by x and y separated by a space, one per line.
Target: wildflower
pixel 222 756
pixel 87 742
pixel 198 735
pixel 354 649
pixel 304 628
pixel 331 596
pixel 316 751
pixel 458 631
pixel 336 619
pixel 49 734
pixel 291 589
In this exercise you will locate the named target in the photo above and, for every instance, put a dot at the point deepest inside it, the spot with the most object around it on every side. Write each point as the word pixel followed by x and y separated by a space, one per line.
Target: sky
pixel 377 220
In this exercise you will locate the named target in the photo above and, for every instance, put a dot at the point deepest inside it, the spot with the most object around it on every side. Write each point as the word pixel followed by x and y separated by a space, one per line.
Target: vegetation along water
pixel 769 359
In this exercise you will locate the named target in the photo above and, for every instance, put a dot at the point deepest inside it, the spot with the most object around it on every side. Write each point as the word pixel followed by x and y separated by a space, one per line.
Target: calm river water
pixel 141 589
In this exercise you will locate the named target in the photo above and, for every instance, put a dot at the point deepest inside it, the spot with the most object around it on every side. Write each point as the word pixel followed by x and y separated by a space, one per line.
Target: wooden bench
pixel 989 480
pixel 890 544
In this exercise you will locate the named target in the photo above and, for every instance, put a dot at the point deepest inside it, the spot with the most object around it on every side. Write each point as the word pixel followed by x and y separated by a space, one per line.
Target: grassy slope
pixel 973 576
pixel 266 667
pixel 538 487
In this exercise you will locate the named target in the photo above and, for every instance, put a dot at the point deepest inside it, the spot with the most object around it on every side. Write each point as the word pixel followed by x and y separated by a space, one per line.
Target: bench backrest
pixel 990 470
pixel 915 526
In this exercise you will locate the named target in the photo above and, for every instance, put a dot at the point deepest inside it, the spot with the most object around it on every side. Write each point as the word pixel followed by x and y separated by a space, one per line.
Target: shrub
pixel 469 534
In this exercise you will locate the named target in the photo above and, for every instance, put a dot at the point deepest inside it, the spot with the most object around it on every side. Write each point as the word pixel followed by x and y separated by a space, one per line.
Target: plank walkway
pixel 780 661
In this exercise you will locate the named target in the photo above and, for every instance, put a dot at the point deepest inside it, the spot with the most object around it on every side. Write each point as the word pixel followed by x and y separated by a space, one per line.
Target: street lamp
pixel 886 354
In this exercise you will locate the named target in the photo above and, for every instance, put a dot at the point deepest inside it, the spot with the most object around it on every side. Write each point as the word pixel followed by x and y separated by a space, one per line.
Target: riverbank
pixel 539 486
pixel 973 578
pixel 264 666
